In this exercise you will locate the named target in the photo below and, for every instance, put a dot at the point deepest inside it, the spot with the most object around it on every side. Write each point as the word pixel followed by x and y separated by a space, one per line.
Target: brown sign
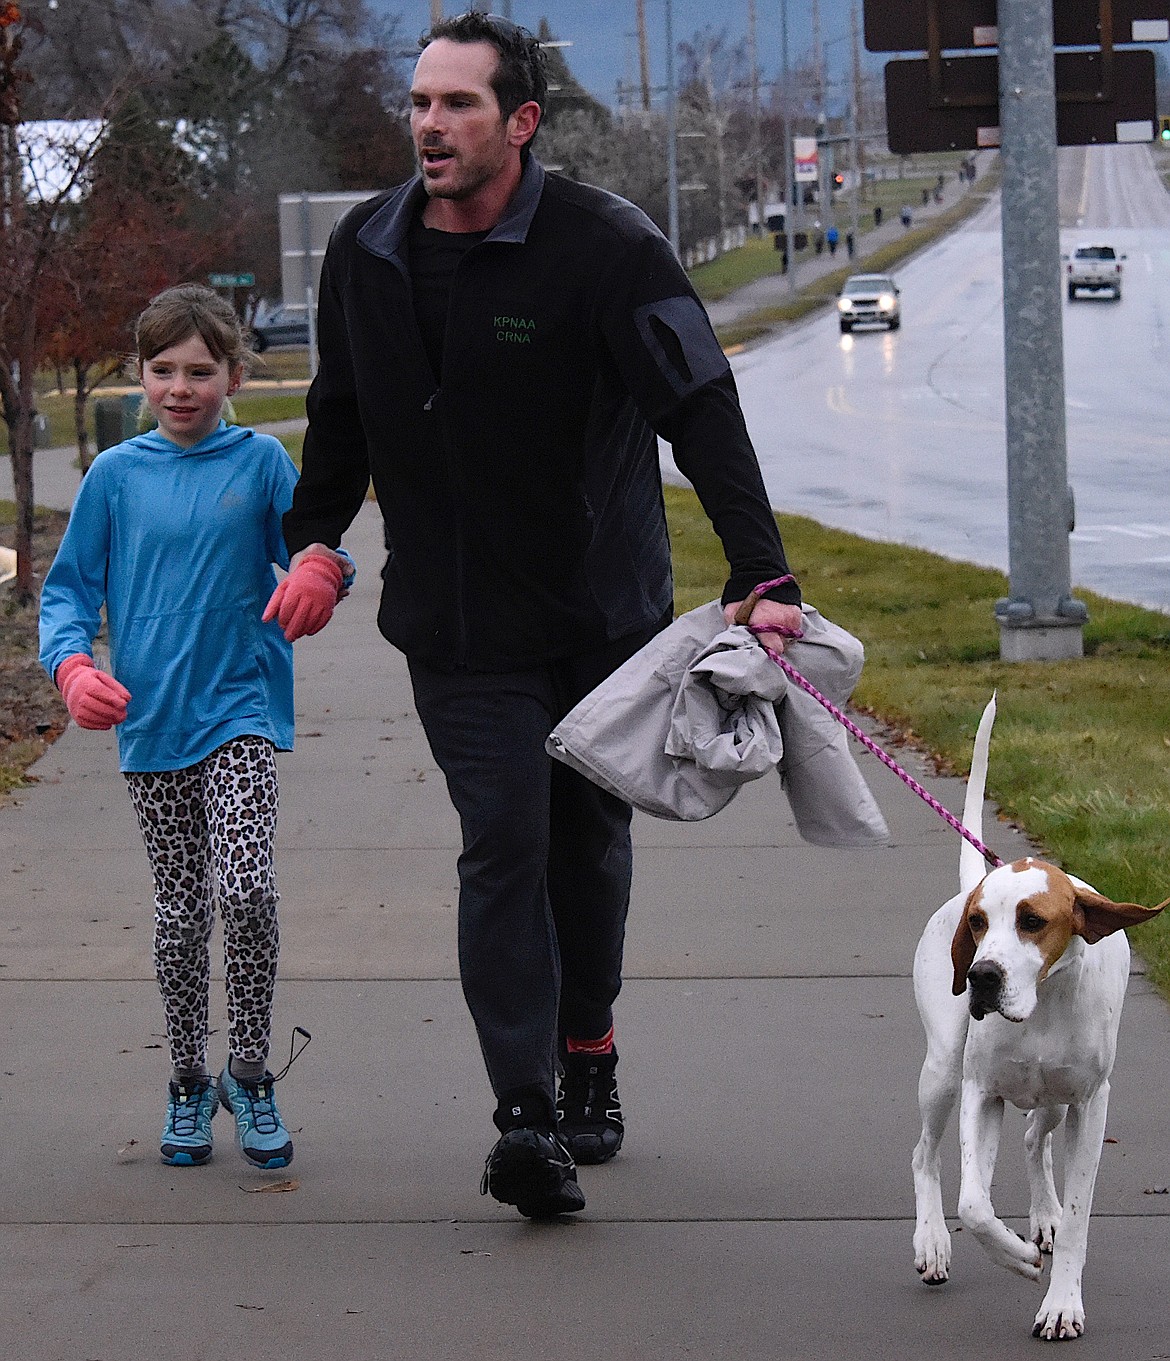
pixel 1100 98
pixel 906 25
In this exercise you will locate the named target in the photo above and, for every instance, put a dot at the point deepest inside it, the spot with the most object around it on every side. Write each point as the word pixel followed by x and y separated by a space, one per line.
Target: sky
pixel 603 32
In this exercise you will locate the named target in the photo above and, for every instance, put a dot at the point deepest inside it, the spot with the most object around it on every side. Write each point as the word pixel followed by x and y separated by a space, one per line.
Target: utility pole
pixel 757 137
pixel 790 188
pixel 824 193
pixel 855 126
pixel 671 134
pixel 1039 621
pixel 643 56
pixel 436 12
pixel 858 108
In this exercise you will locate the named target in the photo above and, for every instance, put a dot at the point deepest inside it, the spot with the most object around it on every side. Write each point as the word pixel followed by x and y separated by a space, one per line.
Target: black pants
pixel 544 877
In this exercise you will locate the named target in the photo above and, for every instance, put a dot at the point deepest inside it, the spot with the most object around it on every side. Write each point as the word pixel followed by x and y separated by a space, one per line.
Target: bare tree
pixel 42 179
pixel 715 81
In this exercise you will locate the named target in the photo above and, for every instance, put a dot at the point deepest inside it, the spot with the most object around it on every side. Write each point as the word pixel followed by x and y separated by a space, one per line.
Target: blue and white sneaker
pixel 264 1140
pixel 186 1139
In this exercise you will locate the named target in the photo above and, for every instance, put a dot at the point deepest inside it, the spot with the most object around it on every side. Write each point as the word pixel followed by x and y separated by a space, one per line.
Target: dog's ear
pixel 1098 917
pixel 962 949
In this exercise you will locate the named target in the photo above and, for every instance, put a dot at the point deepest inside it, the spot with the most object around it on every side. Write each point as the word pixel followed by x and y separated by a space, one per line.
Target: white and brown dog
pixel 1020 980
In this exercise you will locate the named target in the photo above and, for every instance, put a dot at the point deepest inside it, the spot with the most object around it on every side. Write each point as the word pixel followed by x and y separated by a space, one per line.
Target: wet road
pixel 900 436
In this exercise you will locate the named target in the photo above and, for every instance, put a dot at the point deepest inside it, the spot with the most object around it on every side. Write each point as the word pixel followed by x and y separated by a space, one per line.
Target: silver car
pixel 869 299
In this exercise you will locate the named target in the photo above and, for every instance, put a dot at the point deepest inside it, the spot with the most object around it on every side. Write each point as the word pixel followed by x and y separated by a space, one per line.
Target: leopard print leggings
pixel 209 831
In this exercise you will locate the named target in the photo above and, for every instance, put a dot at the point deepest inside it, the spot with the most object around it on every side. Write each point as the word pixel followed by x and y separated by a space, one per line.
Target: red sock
pixel 604 1045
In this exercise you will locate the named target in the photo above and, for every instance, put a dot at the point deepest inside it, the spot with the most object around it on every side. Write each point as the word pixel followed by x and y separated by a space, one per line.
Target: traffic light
pixel 1164 123
pixel 839 179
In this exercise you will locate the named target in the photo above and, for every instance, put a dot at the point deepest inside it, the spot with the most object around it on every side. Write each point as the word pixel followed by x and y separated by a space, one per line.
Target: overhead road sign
pixel 960 25
pixel 1101 98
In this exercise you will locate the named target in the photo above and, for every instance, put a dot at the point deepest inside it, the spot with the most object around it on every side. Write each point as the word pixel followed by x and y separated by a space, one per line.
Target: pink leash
pixel 794 675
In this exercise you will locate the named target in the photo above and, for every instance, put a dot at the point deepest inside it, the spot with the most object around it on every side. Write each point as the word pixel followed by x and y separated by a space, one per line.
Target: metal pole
pixel 1039 621
pixel 855 154
pixel 757 135
pixel 671 135
pixel 791 192
pixel 307 280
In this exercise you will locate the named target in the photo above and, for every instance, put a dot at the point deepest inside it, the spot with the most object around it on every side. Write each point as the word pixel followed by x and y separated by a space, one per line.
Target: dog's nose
pixel 986 980
pixel 986 976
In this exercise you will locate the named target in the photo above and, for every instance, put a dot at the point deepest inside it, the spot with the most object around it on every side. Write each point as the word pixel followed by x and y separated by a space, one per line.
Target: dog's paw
pixel 1044 1226
pixel 932 1260
pixel 1023 1258
pixel 1059 1320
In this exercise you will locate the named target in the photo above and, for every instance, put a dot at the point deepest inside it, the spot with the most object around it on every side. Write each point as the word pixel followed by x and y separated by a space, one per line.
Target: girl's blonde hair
pixel 185 310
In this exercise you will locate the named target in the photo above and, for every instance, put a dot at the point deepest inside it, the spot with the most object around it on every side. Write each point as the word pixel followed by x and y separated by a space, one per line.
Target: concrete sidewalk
pixel 762 1206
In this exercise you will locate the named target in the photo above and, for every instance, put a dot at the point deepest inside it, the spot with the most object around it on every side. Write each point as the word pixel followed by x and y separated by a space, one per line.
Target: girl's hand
pixel 303 603
pixel 94 699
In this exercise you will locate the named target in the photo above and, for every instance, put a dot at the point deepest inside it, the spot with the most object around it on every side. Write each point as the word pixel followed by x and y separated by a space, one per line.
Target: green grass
pixel 255 405
pixel 294 444
pixel 258 407
pixel 1081 752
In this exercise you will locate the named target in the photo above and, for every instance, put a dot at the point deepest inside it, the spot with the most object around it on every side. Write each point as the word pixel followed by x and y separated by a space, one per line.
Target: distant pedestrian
pixel 174 532
pixel 832 236
pixel 877 215
pixel 819 243
pixel 850 244
pixel 906 215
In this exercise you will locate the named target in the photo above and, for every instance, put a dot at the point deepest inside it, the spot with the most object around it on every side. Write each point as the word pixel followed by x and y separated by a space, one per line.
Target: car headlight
pixel 887 302
pixel 844 304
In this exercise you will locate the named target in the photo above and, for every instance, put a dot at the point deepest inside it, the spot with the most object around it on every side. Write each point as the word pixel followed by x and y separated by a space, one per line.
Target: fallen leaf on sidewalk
pixel 291 1185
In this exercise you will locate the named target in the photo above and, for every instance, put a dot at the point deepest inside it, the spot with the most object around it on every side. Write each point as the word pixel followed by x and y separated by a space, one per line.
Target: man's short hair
pixel 520 73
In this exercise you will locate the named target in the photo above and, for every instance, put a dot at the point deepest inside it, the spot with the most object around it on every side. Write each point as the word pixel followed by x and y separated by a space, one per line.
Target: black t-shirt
pixel 434 257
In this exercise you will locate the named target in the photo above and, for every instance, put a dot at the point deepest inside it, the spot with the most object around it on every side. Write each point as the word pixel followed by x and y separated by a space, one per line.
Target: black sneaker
pixel 532 1169
pixel 589 1113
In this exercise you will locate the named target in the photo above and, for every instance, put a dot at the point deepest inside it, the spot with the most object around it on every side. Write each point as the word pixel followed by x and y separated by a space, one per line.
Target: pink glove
pixel 94 699
pixel 303 602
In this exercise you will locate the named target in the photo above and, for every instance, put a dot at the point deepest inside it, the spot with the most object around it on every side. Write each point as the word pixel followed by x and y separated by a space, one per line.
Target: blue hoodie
pixel 178 544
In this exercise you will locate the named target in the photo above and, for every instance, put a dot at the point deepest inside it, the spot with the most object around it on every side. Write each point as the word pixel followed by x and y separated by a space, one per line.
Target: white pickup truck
pixel 1096 267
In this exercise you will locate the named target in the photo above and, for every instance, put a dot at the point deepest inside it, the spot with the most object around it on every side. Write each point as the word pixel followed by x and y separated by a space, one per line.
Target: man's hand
pixel 770 614
pixel 303 603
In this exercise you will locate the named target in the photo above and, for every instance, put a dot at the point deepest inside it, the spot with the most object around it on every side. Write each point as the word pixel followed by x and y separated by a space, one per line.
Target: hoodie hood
pixel 222 437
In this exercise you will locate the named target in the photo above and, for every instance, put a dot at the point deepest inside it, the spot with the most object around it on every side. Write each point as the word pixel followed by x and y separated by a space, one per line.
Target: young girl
pixel 175 533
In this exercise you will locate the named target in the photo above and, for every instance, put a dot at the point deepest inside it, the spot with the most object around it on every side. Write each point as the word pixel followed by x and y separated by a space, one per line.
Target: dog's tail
pixel 971 866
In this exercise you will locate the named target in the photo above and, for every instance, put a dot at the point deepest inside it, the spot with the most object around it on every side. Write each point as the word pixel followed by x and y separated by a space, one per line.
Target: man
pixel 498 347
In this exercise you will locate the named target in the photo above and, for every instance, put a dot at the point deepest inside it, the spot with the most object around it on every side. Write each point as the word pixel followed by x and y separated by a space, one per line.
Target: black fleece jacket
pixel 522 499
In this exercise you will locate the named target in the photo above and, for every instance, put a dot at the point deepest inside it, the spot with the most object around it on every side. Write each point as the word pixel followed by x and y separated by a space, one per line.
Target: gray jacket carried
pixel 702 709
